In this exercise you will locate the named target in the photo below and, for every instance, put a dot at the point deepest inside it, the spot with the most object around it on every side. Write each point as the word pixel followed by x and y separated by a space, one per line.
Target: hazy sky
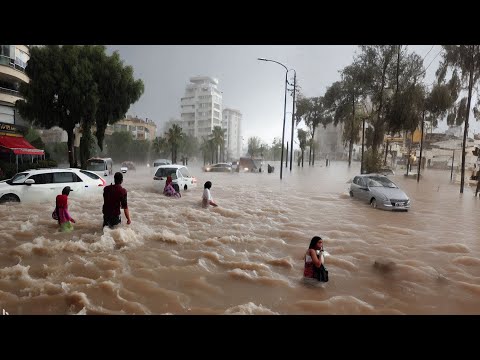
pixel 255 88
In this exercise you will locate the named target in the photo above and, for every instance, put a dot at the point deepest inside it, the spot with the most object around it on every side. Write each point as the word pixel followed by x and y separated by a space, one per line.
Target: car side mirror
pixel 29 182
pixel 365 188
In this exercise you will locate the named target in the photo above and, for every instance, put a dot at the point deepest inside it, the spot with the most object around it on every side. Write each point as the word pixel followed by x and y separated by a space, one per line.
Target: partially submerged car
pixel 180 177
pixel 220 167
pixel 379 191
pixel 127 165
pixel 246 164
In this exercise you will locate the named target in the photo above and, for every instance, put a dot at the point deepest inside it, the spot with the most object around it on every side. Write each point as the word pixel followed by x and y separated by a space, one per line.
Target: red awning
pixel 19 145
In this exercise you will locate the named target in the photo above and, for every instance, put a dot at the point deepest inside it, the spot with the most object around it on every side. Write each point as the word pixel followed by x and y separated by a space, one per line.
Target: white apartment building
pixel 13 61
pixel 232 120
pixel 201 107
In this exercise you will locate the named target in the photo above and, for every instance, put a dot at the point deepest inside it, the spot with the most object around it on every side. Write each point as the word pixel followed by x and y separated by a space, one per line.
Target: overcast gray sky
pixel 255 88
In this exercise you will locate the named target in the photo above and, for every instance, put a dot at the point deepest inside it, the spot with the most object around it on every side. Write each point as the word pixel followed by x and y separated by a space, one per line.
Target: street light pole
pixel 284 109
pixel 293 116
pixel 363 141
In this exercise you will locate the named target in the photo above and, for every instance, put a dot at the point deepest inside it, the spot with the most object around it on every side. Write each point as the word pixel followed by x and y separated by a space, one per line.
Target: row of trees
pixel 74 85
pixel 175 142
pixel 384 87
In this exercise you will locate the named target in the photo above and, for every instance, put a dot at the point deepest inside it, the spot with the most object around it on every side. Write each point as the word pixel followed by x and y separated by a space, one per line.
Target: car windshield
pixel 164 172
pixel 378 181
pixel 90 175
pixel 96 166
pixel 18 179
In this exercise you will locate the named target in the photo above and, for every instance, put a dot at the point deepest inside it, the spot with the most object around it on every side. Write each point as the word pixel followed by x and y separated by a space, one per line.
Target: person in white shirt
pixel 207 197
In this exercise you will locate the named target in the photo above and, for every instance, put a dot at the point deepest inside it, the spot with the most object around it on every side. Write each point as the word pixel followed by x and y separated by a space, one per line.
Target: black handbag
pixel 321 274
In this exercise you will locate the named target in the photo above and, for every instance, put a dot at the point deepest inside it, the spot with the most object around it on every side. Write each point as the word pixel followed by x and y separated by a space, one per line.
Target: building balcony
pixel 11 72
pixel 9 96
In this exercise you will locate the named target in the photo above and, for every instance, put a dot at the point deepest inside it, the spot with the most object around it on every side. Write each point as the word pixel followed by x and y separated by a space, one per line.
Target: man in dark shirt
pixel 114 197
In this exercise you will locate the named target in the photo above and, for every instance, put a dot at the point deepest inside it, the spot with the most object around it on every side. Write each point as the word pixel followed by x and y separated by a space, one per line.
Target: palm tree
pixel 218 139
pixel 159 145
pixel 174 137
pixel 302 139
pixel 208 148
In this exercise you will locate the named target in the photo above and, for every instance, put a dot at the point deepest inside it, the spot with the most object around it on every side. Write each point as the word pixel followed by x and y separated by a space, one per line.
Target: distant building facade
pixel 139 128
pixel 232 120
pixel 201 107
pixel 13 61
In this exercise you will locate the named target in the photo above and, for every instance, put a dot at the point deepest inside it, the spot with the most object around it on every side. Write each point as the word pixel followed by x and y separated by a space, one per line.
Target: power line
pixel 428 52
pixel 433 59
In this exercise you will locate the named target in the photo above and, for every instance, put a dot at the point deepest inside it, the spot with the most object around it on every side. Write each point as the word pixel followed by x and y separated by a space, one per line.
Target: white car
pixel 180 176
pixel 40 185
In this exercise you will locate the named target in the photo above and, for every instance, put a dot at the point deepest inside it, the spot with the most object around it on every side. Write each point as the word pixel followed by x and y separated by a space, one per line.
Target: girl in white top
pixel 207 197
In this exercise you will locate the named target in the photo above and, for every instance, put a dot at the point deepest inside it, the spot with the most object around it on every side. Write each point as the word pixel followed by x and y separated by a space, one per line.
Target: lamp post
pixel 284 109
pixel 293 116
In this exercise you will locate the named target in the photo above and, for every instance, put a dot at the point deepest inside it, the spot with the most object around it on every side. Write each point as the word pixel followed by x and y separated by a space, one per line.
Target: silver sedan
pixel 379 191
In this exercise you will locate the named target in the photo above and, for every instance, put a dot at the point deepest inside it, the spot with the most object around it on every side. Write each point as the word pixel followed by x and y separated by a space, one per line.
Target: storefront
pixel 14 148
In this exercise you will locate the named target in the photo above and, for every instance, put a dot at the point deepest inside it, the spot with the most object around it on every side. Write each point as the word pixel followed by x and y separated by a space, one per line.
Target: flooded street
pixel 246 256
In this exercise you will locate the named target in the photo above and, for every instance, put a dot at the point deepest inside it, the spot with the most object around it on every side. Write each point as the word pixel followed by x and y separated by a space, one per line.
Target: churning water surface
pixel 246 256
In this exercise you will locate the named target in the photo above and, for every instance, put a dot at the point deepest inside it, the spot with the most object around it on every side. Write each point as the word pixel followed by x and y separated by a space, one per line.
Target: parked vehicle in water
pixel 100 166
pixel 39 185
pixel 127 165
pixel 180 177
pixel 220 167
pixel 246 164
pixel 160 162
pixel 379 191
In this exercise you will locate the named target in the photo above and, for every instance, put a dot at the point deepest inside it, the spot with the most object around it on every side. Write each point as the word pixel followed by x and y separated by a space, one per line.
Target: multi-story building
pixel 201 107
pixel 13 61
pixel 13 146
pixel 139 128
pixel 232 120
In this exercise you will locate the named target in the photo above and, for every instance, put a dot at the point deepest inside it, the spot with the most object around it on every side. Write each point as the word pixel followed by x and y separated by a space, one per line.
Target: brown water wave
pixel 246 256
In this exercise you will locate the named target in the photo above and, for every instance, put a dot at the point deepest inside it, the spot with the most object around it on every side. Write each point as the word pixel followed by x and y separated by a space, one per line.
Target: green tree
pixel 33 137
pixel 174 138
pixel 77 85
pixel 253 146
pixel 218 137
pixel 375 62
pixel 276 148
pixel 464 61
pixel 119 144
pixel 189 146
pixel 313 112
pixel 342 99
pixel 207 147
pixel 160 146
pixel 302 136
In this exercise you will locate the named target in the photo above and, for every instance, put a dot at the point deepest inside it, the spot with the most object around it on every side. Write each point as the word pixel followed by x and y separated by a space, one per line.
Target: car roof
pixel 175 166
pixel 373 174
pixel 45 170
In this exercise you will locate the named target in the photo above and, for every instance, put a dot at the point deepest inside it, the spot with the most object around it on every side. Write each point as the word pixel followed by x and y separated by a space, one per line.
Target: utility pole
pixel 293 116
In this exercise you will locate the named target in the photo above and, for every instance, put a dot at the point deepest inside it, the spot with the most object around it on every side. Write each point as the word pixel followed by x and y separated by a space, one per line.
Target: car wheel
pixel 185 187
pixel 373 203
pixel 351 193
pixel 9 198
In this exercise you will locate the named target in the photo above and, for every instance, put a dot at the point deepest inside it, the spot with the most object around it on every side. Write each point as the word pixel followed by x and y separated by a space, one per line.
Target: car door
pixel 181 180
pixel 40 191
pixel 68 178
pixel 363 191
